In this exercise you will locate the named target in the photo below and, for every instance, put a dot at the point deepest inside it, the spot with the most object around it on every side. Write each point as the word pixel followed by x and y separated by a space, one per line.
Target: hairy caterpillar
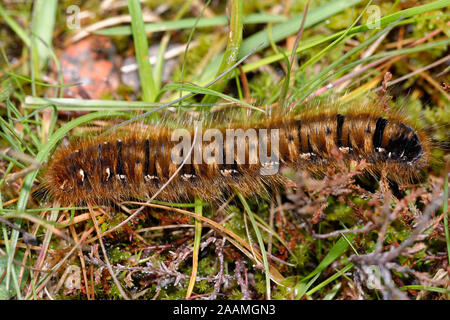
pixel 137 162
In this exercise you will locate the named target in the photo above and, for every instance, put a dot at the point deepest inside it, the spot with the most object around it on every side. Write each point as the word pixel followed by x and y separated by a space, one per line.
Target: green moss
pixel 235 295
pixel 284 292
pixel 236 223
pixel 206 266
pixel 203 287
pixel 116 254
pixel 301 255
pixel 114 293
pixel 342 20
pixel 173 293
pixel 195 55
pixel 338 211
pixel 260 284
pixel 396 233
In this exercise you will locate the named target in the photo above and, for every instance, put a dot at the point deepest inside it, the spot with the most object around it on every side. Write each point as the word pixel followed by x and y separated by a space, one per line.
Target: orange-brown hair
pixel 136 161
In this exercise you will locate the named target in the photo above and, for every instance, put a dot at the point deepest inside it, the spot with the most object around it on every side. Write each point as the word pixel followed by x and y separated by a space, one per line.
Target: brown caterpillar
pixel 137 162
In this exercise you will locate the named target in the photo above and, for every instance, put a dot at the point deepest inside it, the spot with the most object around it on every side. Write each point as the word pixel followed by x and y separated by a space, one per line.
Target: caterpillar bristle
pixel 136 161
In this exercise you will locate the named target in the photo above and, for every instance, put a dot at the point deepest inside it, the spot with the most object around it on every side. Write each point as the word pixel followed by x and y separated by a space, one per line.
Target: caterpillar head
pixel 403 145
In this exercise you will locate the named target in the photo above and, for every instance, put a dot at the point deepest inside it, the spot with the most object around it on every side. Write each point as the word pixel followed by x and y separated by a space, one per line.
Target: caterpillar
pixel 138 161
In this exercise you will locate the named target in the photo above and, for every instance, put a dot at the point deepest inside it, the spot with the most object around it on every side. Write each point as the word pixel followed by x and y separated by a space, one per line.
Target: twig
pixel 108 264
pixel 34 165
pixel 382 260
pixel 299 36
pixel 409 75
pixel 366 54
pixel 432 207
pixel 4 254
pixel 109 23
pixel 83 263
pixel 355 73
pixel 218 283
pixel 368 227
pixel 28 238
pixel 244 287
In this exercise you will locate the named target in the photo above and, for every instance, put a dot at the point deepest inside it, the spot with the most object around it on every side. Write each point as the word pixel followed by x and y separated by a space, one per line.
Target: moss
pixel 338 211
pixel 260 284
pixel 236 223
pixel 206 265
pixel 202 287
pixel 301 255
pixel 173 293
pixel 116 255
pixel 235 295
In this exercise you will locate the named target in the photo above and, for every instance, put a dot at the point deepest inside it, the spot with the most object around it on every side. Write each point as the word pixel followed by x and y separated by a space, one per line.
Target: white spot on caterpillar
pixel 108 173
pixel 270 164
pixel 187 176
pixel 81 174
pixel 379 149
pixel 345 149
pixel 149 177
pixel 121 176
pixel 389 155
pixel 306 155
pixel 228 172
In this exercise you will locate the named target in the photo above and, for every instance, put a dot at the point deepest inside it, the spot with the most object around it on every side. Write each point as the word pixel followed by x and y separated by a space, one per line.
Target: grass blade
pixel 148 86
pixel 41 157
pixel 282 31
pixel 231 53
pixel 196 250
pixel 335 252
pixel 188 23
pixel 260 242
pixel 15 27
pixel 407 13
pixel 44 14
pixel 330 279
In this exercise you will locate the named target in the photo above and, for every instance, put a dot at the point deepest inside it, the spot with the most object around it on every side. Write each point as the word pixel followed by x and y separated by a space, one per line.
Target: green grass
pixel 148 85
pixel 260 242
pixel 231 53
